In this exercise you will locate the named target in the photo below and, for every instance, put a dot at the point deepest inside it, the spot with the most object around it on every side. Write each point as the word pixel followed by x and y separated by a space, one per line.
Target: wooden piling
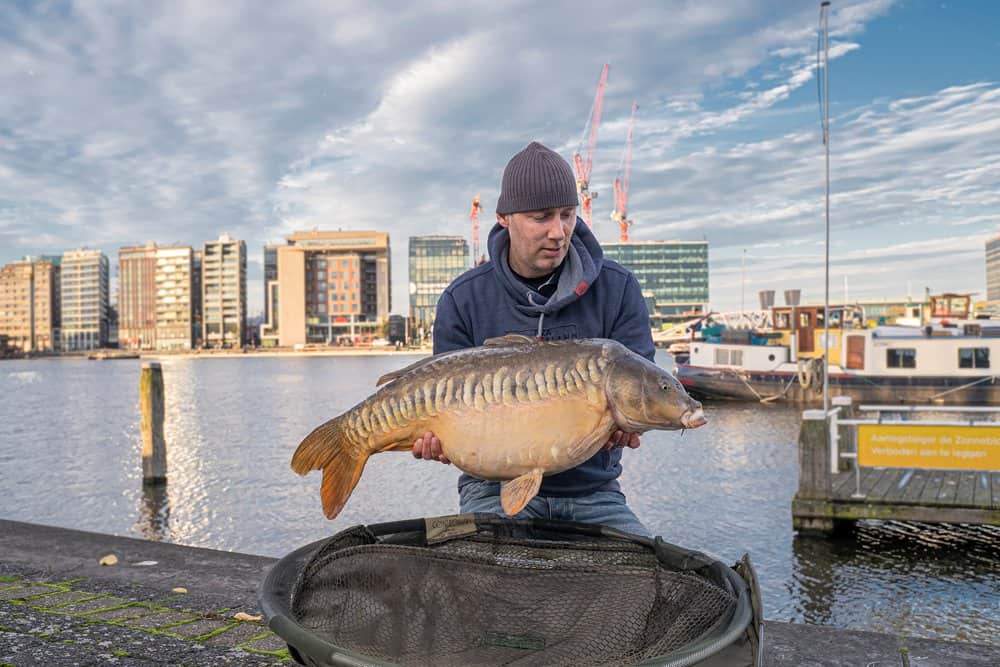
pixel 810 508
pixel 151 405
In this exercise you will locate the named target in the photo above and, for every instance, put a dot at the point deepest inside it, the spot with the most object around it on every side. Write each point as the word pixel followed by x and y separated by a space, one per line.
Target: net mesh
pixel 503 600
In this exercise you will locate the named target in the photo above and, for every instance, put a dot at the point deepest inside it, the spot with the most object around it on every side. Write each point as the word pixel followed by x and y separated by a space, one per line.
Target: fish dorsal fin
pixel 394 375
pixel 515 494
pixel 509 340
pixel 389 377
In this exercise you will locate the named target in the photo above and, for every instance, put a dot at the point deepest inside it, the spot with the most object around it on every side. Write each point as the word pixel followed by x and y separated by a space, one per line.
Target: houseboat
pixel 946 359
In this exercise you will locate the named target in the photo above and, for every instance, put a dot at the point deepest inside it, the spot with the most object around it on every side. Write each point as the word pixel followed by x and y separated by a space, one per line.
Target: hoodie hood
pixel 578 271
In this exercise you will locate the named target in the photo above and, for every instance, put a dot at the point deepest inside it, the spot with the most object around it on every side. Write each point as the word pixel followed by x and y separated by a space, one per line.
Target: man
pixel 547 278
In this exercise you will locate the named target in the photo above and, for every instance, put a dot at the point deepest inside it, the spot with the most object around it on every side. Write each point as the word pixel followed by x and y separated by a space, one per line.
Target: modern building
pixel 224 293
pixel 28 306
pixel 137 297
pixel 674 272
pixel 84 285
pixel 331 287
pixel 175 298
pixel 270 322
pixel 993 269
pixel 55 261
pixel 196 294
pixel 434 262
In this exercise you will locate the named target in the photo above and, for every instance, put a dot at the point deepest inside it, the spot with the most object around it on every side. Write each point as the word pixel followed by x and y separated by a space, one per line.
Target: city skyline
pixel 364 119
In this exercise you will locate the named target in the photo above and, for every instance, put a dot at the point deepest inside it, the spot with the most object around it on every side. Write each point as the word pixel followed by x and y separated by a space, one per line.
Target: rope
pixel 992 378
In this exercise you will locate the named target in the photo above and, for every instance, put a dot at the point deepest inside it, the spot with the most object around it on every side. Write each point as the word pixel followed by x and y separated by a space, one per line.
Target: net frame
pixel 288 582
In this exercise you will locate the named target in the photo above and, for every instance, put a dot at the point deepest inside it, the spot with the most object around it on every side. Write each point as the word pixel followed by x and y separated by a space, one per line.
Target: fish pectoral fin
pixel 510 340
pixel 579 450
pixel 515 494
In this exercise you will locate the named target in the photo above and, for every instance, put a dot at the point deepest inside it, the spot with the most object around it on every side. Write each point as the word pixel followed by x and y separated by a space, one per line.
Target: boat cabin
pixel 802 328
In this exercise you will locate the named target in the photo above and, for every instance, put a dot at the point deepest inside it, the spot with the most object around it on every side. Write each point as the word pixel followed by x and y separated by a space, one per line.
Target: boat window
pixel 781 320
pixel 736 358
pixel 901 358
pixel 722 356
pixel 973 357
pixel 804 319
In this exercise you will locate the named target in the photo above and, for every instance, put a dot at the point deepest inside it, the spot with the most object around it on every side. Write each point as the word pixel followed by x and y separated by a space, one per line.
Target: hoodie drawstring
pixel 541 317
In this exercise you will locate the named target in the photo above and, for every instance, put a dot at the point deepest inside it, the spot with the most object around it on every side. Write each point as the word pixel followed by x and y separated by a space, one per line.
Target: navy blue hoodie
pixel 594 298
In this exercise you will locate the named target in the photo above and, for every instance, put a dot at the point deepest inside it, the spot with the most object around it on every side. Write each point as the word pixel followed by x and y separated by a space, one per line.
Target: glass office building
pixel 434 262
pixel 993 269
pixel 674 272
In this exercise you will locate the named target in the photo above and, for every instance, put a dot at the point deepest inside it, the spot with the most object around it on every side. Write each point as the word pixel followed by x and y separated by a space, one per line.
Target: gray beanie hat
pixel 536 178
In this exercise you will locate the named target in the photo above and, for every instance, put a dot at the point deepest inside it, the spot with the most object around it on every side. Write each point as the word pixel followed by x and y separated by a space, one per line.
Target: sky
pixel 123 122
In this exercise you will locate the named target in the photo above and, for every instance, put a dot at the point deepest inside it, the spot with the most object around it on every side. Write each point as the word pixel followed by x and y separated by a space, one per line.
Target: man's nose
pixel 557 231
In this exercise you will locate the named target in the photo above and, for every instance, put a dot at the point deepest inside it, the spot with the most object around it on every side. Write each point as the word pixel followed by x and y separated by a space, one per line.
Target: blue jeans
pixel 604 507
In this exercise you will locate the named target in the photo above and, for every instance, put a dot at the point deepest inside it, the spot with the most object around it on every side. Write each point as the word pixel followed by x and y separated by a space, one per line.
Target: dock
pixel 165 604
pixel 830 496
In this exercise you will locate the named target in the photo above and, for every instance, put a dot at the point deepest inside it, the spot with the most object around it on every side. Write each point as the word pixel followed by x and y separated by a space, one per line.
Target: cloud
pixel 179 121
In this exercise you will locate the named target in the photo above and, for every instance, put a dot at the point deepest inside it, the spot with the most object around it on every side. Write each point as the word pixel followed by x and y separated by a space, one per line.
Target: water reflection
pixel 944 579
pixel 153 521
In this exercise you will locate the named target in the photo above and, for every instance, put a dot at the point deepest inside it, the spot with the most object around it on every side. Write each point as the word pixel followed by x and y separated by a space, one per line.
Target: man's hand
pixel 621 439
pixel 429 448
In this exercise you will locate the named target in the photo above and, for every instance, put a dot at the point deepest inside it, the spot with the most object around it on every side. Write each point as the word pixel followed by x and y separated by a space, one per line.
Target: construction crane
pixel 474 217
pixel 583 167
pixel 620 214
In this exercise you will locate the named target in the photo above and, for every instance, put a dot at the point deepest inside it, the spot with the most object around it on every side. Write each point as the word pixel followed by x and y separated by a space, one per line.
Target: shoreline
pixel 117 355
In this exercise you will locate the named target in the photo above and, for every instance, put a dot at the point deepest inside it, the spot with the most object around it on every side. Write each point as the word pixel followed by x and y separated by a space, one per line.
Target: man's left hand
pixel 621 439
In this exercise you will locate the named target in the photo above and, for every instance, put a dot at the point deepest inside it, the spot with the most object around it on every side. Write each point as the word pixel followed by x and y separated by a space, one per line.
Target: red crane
pixel 583 168
pixel 620 214
pixel 474 216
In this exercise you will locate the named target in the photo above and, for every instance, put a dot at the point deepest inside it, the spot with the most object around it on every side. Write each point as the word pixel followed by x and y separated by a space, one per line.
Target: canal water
pixel 70 457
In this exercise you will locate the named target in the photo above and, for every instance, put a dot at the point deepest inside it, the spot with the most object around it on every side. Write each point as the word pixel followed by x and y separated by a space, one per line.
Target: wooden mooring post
pixel 151 405
pixel 811 510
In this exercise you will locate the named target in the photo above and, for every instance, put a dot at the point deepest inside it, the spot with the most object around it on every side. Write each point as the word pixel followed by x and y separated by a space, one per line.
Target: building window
pixel 902 358
pixel 973 357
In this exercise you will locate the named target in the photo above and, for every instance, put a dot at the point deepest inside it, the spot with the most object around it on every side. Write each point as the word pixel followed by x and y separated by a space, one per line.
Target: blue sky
pixel 176 122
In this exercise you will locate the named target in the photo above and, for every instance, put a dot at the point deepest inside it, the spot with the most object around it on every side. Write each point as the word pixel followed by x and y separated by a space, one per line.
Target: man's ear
pixel 502 220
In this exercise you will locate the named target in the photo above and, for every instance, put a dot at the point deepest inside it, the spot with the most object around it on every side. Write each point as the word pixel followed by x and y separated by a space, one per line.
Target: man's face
pixel 539 240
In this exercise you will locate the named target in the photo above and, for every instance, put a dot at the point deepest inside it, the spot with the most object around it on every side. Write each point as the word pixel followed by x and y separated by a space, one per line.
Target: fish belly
pixel 500 442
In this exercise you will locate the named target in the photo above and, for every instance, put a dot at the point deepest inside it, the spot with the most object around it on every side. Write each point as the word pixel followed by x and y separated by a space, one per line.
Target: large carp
pixel 514 409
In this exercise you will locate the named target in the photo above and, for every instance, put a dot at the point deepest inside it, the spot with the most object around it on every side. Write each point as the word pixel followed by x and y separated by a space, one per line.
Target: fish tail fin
pixel 328 448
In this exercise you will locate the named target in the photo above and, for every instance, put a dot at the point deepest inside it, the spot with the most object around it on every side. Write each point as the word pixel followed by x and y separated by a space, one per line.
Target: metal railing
pixel 835 422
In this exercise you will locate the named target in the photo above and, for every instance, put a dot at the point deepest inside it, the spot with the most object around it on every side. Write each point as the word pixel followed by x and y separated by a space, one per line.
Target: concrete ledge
pixel 58 607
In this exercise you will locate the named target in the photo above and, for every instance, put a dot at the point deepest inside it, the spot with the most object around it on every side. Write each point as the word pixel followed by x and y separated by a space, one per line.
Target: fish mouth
pixel 693 418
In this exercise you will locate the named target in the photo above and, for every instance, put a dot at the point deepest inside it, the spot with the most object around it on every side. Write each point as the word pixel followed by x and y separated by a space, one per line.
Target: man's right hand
pixel 429 448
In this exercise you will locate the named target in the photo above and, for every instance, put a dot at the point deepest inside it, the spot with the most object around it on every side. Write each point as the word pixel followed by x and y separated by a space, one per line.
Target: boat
pixel 112 354
pixel 946 359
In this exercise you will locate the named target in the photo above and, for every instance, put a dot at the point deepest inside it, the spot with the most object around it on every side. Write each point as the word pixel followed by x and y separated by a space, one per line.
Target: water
pixel 70 456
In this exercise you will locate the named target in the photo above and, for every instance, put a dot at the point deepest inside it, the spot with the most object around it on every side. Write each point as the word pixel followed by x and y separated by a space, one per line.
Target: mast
pixel 824 10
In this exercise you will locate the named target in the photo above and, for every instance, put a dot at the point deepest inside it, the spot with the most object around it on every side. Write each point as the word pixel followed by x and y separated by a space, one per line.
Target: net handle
pixel 486 519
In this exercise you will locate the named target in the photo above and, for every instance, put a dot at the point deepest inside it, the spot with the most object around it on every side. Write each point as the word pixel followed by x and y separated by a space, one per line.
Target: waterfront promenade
pixel 59 606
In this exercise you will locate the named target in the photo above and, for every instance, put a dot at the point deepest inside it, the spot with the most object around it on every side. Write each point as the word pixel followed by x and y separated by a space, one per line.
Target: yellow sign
pixel 937 447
